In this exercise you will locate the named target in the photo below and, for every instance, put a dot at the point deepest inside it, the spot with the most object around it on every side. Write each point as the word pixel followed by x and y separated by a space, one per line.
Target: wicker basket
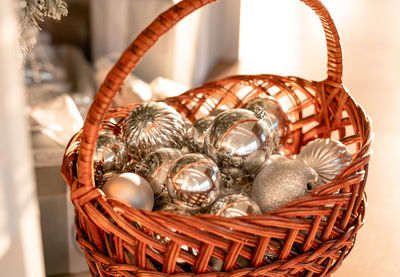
pixel 308 237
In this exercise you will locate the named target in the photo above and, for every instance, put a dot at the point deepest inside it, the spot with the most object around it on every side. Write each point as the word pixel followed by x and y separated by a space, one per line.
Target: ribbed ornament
pixel 151 126
pixel 327 157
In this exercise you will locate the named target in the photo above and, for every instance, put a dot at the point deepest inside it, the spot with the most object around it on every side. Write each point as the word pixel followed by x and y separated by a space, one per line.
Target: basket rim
pixel 274 222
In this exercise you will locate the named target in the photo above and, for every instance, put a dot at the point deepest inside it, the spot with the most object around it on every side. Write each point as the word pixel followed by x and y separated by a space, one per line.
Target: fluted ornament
pixel 151 126
pixel 328 157
pixel 194 181
pixel 281 181
pixel 238 142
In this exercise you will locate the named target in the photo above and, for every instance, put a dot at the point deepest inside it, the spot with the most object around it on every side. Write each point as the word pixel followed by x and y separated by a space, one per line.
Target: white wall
pixel 20 239
pixel 185 54
pixel 290 41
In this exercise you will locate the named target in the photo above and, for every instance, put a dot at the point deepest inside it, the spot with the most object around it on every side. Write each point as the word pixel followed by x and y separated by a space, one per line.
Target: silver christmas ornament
pixel 281 181
pixel 194 181
pixel 155 168
pixel 197 133
pixel 216 112
pixel 173 208
pixel 246 184
pixel 110 157
pixel 132 189
pixel 235 205
pixel 151 126
pixel 269 109
pixel 327 157
pixel 237 185
pixel 239 142
pixel 273 249
pixel 217 264
pixel 187 122
pixel 230 185
pixel 185 150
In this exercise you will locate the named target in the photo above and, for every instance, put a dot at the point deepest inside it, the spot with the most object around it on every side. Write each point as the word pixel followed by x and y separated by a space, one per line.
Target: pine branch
pixel 56 8
pixel 35 11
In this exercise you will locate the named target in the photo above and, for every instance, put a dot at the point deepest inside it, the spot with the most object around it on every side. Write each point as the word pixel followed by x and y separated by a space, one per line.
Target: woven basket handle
pixel 133 54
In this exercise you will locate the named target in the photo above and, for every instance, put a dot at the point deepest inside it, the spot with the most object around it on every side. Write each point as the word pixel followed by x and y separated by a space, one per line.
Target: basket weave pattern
pixel 308 237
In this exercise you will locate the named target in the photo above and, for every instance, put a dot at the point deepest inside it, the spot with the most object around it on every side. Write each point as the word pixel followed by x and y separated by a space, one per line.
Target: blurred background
pixel 43 102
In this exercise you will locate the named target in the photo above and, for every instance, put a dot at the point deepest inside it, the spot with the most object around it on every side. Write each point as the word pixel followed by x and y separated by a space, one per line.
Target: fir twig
pixel 56 8
pixel 35 11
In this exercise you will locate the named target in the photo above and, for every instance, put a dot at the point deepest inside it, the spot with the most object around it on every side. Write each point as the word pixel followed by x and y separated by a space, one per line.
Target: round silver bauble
pixel 239 142
pixel 235 205
pixel 197 133
pixel 269 109
pixel 155 168
pixel 327 157
pixel 281 181
pixel 132 189
pixel 151 126
pixel 110 157
pixel 194 181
